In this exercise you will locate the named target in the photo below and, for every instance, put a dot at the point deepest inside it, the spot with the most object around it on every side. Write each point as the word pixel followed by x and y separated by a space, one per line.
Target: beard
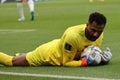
pixel 90 37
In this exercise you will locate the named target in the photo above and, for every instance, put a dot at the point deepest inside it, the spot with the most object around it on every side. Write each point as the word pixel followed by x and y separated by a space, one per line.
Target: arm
pixel 69 49
pixel 82 62
pixel 91 56
pixel 73 63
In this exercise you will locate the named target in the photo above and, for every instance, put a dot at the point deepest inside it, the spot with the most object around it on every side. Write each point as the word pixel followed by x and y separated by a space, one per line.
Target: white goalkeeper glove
pixel 106 56
pixel 91 56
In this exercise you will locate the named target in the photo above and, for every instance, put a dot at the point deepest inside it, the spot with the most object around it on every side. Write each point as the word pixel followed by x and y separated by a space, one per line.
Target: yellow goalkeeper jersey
pixel 64 51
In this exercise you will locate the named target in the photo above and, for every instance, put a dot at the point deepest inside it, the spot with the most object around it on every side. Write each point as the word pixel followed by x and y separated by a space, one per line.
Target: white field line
pixel 54 76
pixel 15 30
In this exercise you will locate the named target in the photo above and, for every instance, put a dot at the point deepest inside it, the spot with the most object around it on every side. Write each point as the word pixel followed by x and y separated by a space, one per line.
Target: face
pixel 93 31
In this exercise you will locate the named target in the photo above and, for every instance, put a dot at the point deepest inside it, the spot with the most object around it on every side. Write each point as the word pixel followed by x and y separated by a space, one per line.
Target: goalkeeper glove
pixel 91 59
pixel 106 55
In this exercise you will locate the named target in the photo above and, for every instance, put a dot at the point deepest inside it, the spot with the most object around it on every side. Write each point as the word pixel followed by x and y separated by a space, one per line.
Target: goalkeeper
pixel 65 51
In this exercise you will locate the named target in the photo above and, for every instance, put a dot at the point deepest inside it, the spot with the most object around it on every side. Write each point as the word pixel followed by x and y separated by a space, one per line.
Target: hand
pixel 91 59
pixel 106 55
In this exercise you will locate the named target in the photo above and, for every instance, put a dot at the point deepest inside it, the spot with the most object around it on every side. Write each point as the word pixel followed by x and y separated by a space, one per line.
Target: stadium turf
pixel 52 17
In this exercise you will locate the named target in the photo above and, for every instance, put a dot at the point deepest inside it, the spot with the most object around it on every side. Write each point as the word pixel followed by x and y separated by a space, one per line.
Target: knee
pixel 20 60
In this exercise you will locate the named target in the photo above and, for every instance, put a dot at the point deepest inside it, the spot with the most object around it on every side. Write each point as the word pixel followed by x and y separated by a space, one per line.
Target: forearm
pixel 73 63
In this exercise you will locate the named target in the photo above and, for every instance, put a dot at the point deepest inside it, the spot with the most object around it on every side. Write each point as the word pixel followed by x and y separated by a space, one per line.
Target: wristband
pixel 84 61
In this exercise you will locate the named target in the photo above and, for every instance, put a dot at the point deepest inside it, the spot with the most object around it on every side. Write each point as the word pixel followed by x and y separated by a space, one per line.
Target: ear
pixel 87 24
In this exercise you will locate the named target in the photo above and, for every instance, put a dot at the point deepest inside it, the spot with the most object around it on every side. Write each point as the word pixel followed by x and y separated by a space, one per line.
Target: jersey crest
pixel 68 46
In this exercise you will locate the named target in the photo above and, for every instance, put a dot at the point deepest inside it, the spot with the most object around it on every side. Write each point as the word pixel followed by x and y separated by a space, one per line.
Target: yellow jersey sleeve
pixel 70 44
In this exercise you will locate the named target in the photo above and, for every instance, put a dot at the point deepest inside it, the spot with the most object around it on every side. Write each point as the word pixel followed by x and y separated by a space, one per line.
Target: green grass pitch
pixel 52 17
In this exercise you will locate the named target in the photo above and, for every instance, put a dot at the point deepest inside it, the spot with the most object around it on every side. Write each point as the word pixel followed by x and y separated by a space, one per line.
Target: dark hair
pixel 98 18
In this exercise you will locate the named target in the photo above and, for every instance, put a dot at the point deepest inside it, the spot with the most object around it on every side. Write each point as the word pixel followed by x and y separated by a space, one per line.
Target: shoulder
pixel 77 27
pixel 75 31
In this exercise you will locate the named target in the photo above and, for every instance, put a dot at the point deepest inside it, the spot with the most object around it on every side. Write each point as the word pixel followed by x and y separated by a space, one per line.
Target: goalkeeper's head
pixel 98 18
pixel 95 26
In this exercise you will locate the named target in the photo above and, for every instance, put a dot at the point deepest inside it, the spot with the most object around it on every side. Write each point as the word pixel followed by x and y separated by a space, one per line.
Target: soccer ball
pixel 93 55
